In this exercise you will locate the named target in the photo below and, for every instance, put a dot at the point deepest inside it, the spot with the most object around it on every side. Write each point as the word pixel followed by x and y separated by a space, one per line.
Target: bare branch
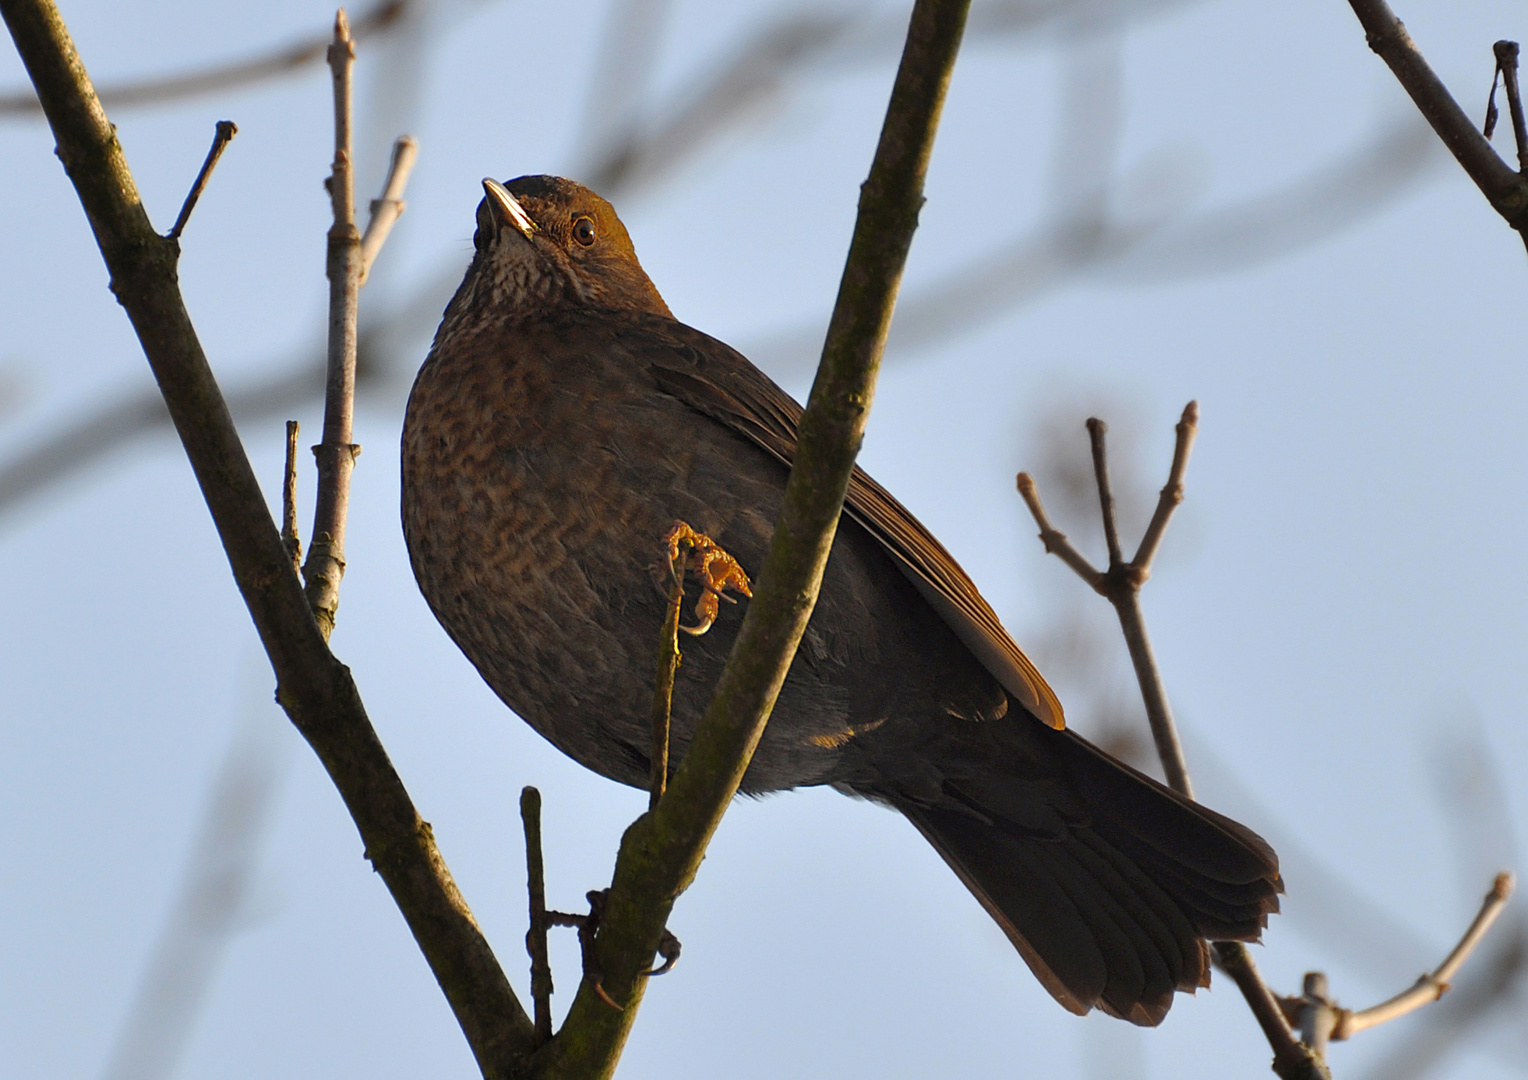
pixel 336 454
pixel 1291 1060
pixel 289 538
pixel 314 688
pixel 1505 189
pixel 1097 429
pixel 386 210
pixel 1121 585
pixel 1506 67
pixel 661 851
pixel 1054 539
pixel 1430 988
pixel 226 130
pixel 535 937
pixel 1172 491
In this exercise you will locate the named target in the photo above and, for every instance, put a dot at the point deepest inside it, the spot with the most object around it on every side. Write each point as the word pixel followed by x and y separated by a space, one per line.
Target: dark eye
pixel 583 231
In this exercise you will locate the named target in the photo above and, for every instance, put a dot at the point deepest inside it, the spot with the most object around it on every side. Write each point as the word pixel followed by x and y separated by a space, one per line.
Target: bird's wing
pixel 721 383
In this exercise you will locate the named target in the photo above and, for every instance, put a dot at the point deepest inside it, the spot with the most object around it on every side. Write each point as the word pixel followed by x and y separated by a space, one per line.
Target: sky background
pixel 1131 204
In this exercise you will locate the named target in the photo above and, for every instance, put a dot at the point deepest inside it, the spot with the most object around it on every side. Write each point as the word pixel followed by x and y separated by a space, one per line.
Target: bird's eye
pixel 583 231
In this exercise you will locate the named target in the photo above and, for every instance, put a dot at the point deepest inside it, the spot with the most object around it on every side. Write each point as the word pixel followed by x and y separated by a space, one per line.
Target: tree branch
pixel 226 130
pixel 535 936
pixel 336 454
pixel 1505 189
pixel 389 206
pixel 1121 586
pixel 661 851
pixel 1430 988
pixel 312 685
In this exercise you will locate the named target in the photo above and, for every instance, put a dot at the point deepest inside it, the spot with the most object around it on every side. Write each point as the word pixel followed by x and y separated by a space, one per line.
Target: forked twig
pixel 1506 189
pixel 1121 583
pixel 1121 586
pixel 346 267
pixel 1317 1018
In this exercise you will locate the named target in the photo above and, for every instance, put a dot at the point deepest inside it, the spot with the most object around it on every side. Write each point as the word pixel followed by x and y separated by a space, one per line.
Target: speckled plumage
pixel 564 420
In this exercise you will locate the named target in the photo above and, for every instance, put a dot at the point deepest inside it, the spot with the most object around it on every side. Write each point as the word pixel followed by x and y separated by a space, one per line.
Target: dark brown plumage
pixel 564 420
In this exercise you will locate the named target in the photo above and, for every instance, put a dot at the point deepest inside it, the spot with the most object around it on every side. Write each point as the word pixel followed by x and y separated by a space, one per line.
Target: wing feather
pixel 746 400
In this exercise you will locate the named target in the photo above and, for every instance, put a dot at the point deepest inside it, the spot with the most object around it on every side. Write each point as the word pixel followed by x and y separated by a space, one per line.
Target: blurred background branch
pixel 1082 232
pixel 1117 211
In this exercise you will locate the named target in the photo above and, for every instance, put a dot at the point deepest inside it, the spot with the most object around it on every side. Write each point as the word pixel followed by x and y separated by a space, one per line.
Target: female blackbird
pixel 564 420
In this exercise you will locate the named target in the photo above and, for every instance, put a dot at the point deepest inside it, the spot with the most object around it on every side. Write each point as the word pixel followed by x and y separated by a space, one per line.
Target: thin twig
pixel 386 211
pixel 1430 988
pixel 1291 1059
pixel 1164 731
pixel 1506 66
pixel 226 130
pixel 1097 429
pixel 1121 586
pixel 289 538
pixel 1054 539
pixel 535 937
pixel 663 688
pixel 336 454
pixel 1172 491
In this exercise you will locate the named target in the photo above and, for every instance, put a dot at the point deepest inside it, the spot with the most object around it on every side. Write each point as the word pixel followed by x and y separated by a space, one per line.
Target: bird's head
pixel 545 243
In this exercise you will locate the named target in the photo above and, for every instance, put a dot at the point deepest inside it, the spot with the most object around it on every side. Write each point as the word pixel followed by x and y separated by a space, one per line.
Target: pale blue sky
pixel 1340 606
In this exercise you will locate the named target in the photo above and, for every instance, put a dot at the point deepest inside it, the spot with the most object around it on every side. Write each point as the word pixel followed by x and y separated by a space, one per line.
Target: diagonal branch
pixel 312 685
pixel 1506 190
pixel 661 851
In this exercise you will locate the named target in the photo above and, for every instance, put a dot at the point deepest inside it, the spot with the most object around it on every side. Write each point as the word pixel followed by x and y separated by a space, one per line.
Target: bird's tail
pixel 1107 882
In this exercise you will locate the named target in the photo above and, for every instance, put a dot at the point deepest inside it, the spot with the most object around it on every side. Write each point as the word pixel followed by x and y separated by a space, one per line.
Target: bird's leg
pixel 588 925
pixel 718 571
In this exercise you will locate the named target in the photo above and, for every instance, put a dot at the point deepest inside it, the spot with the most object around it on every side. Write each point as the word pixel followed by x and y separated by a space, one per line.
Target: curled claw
pixel 718 572
pixel 668 948
pixel 599 988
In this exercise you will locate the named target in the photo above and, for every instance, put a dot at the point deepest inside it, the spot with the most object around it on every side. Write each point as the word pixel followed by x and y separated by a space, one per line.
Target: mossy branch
pixel 662 850
pixel 312 685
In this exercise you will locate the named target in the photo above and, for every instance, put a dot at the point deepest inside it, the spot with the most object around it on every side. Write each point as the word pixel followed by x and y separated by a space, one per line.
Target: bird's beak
pixel 506 209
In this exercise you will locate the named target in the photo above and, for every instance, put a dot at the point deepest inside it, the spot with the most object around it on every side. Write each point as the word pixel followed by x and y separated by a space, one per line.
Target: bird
pixel 561 424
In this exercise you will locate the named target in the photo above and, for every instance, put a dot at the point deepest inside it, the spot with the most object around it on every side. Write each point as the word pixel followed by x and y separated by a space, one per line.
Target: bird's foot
pixel 668 948
pixel 588 925
pixel 718 571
